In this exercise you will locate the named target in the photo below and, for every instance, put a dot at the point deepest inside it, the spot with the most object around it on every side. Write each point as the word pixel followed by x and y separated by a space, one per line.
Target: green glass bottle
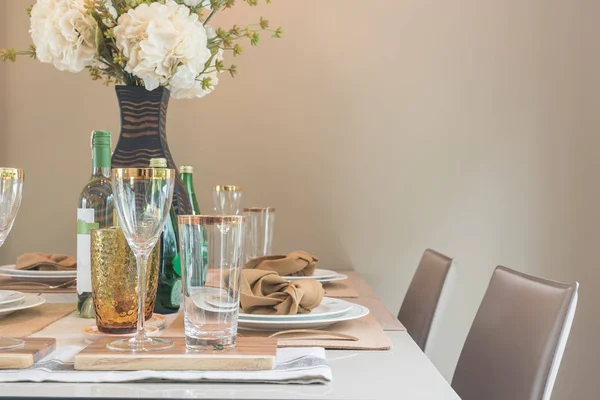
pixel 169 292
pixel 187 175
pixel 94 210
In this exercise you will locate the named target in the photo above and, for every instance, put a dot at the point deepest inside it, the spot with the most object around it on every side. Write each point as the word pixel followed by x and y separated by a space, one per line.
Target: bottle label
pixel 85 222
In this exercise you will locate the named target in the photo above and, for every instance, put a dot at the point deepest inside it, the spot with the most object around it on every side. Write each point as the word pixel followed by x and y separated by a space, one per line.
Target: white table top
pixel 404 372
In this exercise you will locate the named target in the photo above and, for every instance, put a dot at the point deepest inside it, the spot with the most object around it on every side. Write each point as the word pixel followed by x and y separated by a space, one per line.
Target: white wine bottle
pixel 95 210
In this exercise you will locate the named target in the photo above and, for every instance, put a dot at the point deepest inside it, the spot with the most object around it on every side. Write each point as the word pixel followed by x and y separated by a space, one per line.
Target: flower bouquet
pixel 152 49
pixel 148 43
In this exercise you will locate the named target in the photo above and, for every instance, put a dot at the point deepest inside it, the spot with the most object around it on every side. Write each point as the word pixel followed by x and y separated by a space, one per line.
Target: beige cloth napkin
pixel 46 262
pixel 265 292
pixel 297 263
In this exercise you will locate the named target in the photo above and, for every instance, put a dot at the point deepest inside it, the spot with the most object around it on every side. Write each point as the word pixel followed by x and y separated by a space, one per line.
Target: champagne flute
pixel 142 198
pixel 11 189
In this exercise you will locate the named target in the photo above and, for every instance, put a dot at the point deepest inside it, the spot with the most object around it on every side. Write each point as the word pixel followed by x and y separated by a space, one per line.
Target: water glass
pixel 259 231
pixel 211 281
pixel 227 199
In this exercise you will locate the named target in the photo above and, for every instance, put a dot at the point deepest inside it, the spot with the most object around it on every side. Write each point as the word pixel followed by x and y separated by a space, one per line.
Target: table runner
pixel 343 289
pixel 26 322
pixel 28 287
pixel 369 299
pixel 301 366
pixel 367 329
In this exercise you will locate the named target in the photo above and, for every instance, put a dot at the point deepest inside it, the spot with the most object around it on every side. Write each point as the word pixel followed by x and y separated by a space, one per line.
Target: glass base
pixel 134 345
pixel 222 343
pixel 9 343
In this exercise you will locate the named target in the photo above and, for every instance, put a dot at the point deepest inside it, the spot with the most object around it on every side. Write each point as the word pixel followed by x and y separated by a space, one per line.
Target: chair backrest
pixel 420 303
pixel 517 339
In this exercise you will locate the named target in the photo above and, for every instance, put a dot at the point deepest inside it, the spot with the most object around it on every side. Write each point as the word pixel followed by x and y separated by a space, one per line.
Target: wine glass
pixel 142 197
pixel 226 199
pixel 11 189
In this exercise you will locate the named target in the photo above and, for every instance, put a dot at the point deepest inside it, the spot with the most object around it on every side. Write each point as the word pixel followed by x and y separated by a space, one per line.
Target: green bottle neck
pixel 101 160
pixel 188 181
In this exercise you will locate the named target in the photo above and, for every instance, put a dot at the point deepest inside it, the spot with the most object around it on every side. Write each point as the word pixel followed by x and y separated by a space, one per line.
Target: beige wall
pixel 376 131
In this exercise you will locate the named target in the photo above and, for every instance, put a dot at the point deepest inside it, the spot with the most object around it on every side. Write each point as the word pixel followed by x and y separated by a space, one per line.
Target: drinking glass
pixel 114 281
pixel 211 305
pixel 142 198
pixel 227 199
pixel 11 189
pixel 259 231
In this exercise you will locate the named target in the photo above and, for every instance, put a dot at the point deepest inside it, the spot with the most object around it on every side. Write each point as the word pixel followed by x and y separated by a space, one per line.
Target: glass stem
pixel 142 262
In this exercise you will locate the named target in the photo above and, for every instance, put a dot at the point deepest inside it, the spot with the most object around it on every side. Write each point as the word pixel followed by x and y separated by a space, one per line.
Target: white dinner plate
pixel 10 297
pixel 357 311
pixel 318 275
pixel 338 277
pixel 9 270
pixel 30 300
pixel 329 307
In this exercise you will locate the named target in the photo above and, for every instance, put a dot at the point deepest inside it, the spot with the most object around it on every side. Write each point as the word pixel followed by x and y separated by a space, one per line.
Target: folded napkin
pixel 46 262
pixel 265 292
pixel 297 263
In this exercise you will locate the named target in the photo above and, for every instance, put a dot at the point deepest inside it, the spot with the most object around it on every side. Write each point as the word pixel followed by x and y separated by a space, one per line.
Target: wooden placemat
pixel 24 357
pixel 27 322
pixel 367 329
pixel 249 354
pixel 340 289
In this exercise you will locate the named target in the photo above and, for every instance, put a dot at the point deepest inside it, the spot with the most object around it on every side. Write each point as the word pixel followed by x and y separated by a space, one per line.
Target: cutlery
pixel 38 285
pixel 336 335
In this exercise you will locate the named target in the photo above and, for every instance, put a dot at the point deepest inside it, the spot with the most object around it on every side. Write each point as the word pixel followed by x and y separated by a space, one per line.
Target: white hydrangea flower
pixel 194 3
pixel 63 34
pixel 186 85
pixel 159 38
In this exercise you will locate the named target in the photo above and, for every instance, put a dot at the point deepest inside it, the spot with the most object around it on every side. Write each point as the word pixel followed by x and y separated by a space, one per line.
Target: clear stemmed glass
pixel 11 189
pixel 142 197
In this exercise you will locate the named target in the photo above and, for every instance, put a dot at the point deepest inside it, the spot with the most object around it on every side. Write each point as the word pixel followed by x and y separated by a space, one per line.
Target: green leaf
pixel 101 49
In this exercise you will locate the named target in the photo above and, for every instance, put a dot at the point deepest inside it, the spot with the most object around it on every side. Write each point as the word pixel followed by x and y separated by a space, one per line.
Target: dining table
pixel 402 372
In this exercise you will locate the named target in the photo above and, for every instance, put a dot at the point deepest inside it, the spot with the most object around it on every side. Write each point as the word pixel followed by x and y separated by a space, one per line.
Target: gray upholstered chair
pixel 514 348
pixel 418 309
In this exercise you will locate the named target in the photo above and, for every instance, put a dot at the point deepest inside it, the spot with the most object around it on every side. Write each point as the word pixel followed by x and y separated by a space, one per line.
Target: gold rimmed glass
pixel 227 199
pixel 142 199
pixel 11 191
pixel 211 282
pixel 259 231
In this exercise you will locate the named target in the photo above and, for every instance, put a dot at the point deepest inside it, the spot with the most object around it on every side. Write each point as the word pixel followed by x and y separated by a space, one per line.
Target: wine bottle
pixel 94 210
pixel 188 181
pixel 169 292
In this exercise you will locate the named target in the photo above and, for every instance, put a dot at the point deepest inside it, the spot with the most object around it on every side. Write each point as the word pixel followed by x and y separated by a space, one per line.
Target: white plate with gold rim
pixel 29 301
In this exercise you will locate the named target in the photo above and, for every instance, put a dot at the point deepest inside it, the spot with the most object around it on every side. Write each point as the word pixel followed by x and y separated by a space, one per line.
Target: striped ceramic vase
pixel 143 135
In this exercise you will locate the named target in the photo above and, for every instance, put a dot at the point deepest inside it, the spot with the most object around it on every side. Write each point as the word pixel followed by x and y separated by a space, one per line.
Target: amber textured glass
pixel 114 281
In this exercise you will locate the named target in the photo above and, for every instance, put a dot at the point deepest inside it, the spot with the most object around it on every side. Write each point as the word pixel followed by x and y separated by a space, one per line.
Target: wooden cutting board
pixel 24 357
pixel 250 354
